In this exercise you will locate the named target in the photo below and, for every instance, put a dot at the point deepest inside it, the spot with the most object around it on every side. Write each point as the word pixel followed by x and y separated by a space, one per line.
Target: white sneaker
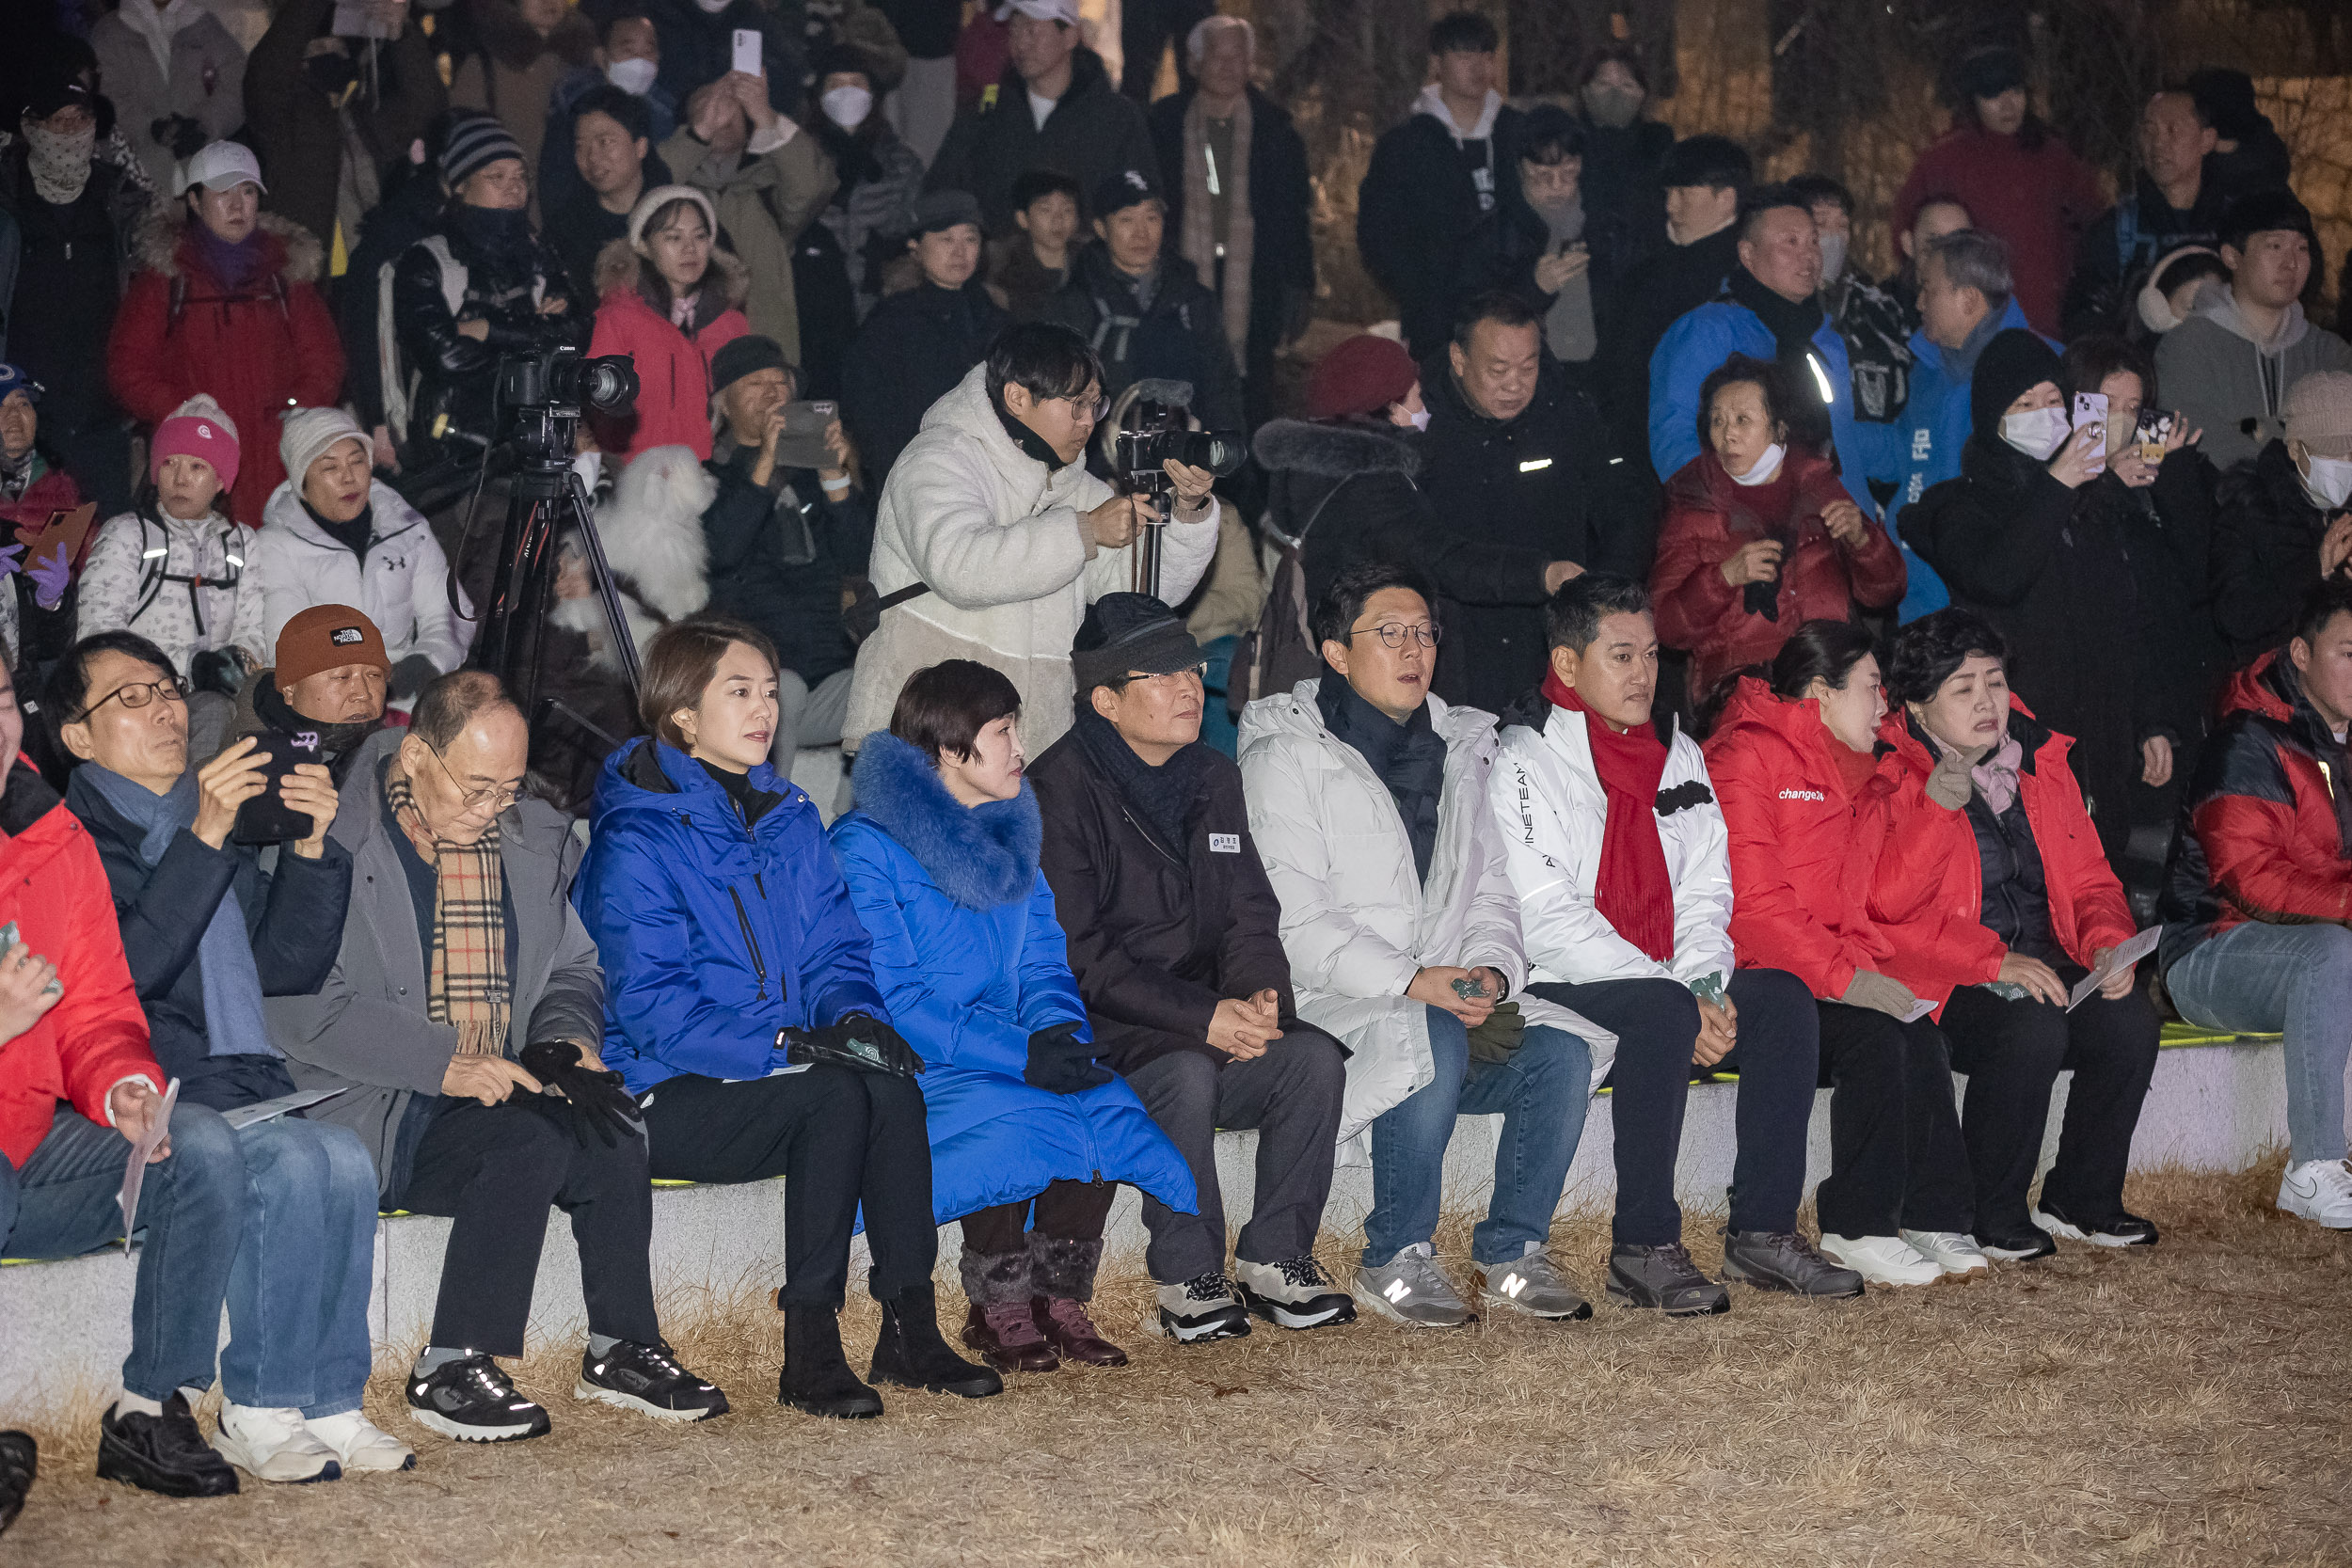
pixel 1882 1259
pixel 1953 1251
pixel 274 1445
pixel 360 1444
pixel 2319 1191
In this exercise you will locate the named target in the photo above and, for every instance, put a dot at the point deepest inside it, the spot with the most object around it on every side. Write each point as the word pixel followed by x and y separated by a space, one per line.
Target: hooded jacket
pixel 1003 542
pixel 764 199
pixel 1346 490
pixel 1802 848
pixel 1431 184
pixel 1093 134
pixel 403 586
pixel 179 62
pixel 972 963
pixel 1927 892
pixel 1709 516
pixel 1358 921
pixel 672 408
pixel 715 935
pixel 911 351
pixel 2230 386
pixel 1178 336
pixel 257 351
pixel 2262 829
pixel 2265 551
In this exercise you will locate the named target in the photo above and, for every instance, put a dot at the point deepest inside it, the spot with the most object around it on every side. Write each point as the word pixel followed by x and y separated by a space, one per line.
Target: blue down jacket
pixel 973 963
pixel 713 935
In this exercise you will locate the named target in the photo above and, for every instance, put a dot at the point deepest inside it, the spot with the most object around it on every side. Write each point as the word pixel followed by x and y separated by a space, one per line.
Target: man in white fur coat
pixel 992 508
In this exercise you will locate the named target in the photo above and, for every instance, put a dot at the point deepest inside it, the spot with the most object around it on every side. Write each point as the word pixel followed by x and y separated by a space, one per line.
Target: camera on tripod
pixel 563 381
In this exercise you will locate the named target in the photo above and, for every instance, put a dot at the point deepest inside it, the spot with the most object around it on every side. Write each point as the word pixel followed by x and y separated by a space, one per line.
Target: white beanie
pixel 306 434
pixel 661 197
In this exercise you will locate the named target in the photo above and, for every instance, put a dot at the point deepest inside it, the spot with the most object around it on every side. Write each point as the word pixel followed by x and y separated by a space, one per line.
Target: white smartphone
pixel 2090 408
pixel 749 57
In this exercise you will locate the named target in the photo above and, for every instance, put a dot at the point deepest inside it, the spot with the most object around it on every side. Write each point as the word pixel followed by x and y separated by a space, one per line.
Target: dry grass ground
pixel 2187 1405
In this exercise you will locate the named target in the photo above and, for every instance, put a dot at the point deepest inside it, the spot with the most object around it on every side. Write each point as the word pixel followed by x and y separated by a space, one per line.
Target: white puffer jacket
pixel 1357 921
pixel 1003 542
pixel 1549 802
pixel 405 588
pixel 124 584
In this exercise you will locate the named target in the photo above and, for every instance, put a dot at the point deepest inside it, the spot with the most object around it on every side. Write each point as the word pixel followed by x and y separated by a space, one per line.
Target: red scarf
pixel 1634 890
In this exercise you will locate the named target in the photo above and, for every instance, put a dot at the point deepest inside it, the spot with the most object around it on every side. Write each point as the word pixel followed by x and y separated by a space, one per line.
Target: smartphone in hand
pixel 267 819
pixel 2091 409
pixel 750 56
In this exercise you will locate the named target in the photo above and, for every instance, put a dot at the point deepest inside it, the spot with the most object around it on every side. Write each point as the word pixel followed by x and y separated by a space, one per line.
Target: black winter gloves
pixel 599 1104
pixel 859 1041
pixel 1062 1063
pixel 411 676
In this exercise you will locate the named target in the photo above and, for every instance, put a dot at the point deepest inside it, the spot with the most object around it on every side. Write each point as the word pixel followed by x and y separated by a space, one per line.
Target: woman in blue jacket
pixel 741 1012
pixel 942 861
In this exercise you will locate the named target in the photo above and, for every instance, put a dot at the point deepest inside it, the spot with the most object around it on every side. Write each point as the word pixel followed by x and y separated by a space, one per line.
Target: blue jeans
pixel 2295 979
pixel 1542 1093
pixel 191 1210
pixel 298 1291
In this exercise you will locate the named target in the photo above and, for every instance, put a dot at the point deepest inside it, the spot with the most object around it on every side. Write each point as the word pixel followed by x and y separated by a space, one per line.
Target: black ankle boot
pixel 912 1354
pixel 816 1377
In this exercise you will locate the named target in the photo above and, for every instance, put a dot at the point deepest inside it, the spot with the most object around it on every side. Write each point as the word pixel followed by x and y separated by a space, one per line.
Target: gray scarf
pixel 1569 325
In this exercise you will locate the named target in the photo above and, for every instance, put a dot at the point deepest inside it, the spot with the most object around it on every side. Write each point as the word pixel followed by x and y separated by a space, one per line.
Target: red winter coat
pixel 673 369
pixel 54 491
pixel 1802 850
pixel 55 889
pixel 258 352
pixel 2039 202
pixel 1928 891
pixel 1710 516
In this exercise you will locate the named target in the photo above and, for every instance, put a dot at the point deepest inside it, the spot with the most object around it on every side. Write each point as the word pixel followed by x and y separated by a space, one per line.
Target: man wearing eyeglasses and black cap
pixel 1175 940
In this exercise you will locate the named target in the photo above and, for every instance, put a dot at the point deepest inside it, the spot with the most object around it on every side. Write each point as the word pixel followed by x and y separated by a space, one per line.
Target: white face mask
pixel 2330 482
pixel 1420 421
pixel 632 77
pixel 848 106
pixel 1832 256
pixel 2038 431
pixel 1764 467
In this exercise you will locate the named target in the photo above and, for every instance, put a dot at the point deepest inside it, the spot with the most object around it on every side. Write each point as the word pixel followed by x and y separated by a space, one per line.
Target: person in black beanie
pixel 1175 940
pixel 2051 577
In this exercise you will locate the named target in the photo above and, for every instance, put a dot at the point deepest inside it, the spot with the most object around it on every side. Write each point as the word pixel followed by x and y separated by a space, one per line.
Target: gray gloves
pixel 1950 786
pixel 1869 989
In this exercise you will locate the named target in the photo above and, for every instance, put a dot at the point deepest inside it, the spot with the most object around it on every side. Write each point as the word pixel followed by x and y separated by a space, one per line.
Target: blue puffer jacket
pixel 973 963
pixel 713 936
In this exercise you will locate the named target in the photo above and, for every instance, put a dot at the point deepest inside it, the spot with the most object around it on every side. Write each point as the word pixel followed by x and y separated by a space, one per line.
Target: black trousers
pixel 2013 1052
pixel 1657 1022
pixel 1897 1160
pixel 494 1169
pixel 1066 1211
pixel 839 1138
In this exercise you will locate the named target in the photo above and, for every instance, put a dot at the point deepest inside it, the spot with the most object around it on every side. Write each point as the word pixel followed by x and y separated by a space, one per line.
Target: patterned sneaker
pixel 1532 1284
pixel 1293 1293
pixel 471 1400
pixel 1411 1290
pixel 1198 1310
pixel 648 1380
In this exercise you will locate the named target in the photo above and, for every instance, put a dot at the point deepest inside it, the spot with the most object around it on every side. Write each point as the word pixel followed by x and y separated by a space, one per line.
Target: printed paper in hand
pixel 270 1110
pixel 136 1171
pixel 2125 954
pixel 1919 1010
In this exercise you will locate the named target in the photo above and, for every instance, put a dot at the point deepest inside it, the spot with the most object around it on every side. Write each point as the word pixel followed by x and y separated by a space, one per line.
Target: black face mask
pixel 331 73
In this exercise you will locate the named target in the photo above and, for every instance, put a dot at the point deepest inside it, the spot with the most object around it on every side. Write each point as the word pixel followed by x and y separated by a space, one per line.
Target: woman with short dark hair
pixel 942 861
pixel 742 1013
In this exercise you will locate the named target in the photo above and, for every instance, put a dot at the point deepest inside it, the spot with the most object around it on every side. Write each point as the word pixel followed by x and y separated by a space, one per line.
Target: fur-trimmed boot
pixel 911 1353
pixel 1000 1325
pixel 816 1376
pixel 1062 1275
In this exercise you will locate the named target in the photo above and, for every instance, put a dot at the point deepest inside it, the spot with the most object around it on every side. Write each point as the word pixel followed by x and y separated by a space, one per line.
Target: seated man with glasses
pixel 461 1022
pixel 995 538
pixel 1368 800
pixel 1175 941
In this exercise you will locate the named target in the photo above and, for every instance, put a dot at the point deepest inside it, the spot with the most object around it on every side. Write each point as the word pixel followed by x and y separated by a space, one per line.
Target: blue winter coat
pixel 1934 426
pixel 713 935
pixel 973 963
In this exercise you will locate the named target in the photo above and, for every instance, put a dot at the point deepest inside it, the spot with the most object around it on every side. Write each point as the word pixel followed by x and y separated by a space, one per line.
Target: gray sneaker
pixel 1781 1260
pixel 1532 1284
pixel 1666 1279
pixel 1411 1290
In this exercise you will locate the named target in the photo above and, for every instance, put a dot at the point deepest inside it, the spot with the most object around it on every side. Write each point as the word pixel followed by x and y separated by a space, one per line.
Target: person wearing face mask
pixel 1996 905
pixel 1546 243
pixel 671 299
pixel 919 342
pixel 879 177
pixel 1793 760
pixel 629 61
pixel 1875 324
pixel 2283 518
pixel 1759 536
pixel 1623 152
pixel 2015 542
pixel 696 43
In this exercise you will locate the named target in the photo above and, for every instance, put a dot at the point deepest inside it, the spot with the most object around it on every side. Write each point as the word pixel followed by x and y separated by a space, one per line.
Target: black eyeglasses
pixel 1394 634
pixel 139 694
pixel 1194 671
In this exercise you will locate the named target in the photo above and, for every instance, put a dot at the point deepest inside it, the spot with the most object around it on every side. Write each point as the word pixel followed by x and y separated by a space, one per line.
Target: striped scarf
pixel 466 981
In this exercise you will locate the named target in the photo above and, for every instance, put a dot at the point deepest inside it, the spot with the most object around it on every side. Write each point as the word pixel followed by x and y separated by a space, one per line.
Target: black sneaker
pixel 162 1454
pixel 1664 1279
pixel 647 1379
pixel 472 1400
pixel 1293 1293
pixel 1197 1310
pixel 2117 1230
pixel 2021 1245
pixel 18 1462
pixel 1785 1261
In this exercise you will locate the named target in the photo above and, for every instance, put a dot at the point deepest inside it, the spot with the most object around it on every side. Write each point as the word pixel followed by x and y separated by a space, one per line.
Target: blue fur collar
pixel 980 856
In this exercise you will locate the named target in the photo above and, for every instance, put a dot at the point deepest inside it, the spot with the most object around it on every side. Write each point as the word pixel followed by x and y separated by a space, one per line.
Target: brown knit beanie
pixel 327 637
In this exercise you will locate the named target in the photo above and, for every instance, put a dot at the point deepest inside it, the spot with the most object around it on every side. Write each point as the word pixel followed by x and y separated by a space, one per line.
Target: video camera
pixel 1151 425
pixel 562 379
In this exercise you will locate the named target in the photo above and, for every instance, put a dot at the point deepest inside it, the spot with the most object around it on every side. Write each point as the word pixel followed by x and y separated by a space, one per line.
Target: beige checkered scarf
pixel 466 981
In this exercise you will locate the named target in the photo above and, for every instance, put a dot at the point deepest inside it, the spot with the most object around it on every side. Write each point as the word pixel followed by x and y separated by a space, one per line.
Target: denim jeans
pixel 191 1212
pixel 2295 979
pixel 1542 1093
pixel 298 1291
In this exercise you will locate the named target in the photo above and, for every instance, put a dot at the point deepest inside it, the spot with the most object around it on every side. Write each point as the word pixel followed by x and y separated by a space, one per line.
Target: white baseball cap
pixel 221 166
pixel 1063 11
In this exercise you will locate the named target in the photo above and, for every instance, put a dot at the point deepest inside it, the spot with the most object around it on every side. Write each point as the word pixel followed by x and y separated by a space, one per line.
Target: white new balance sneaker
pixel 274 1445
pixel 2319 1191
pixel 1953 1251
pixel 360 1444
pixel 1882 1259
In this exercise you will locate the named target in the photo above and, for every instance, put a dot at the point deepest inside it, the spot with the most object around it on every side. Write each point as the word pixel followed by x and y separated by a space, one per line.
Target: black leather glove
pixel 411 676
pixel 599 1104
pixel 1061 1063
pixel 860 1040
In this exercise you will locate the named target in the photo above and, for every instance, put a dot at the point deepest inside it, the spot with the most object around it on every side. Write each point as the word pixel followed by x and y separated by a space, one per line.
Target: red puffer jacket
pixel 51 490
pixel 673 369
pixel 1928 891
pixel 257 350
pixel 53 888
pixel 1709 517
pixel 1803 850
